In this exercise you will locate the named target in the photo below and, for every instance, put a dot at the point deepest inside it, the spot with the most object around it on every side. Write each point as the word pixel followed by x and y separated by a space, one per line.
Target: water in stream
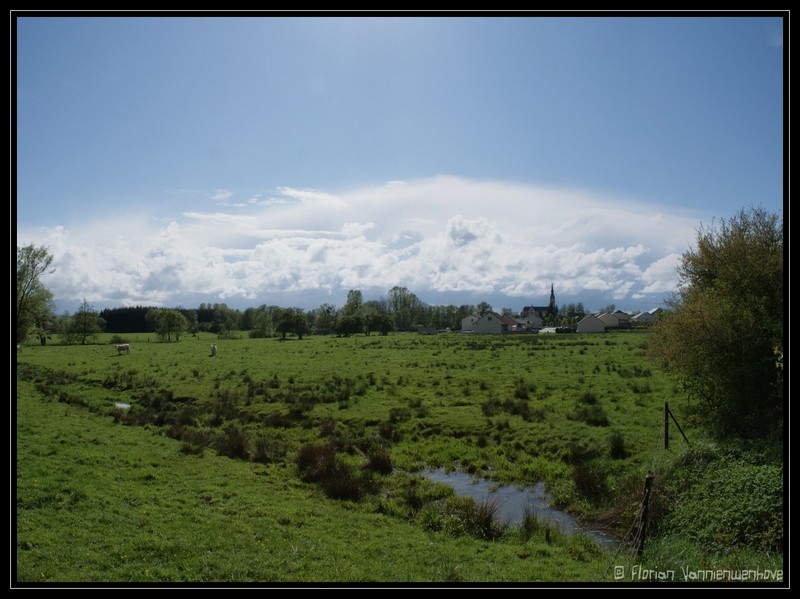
pixel 512 502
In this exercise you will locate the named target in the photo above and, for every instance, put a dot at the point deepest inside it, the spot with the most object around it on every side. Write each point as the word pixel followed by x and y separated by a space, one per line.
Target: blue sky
pixel 285 160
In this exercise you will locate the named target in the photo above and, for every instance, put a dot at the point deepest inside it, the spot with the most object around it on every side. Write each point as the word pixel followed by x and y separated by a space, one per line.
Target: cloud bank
pixel 439 237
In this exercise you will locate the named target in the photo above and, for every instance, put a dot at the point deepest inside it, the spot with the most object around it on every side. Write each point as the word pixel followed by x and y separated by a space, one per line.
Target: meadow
pixel 297 460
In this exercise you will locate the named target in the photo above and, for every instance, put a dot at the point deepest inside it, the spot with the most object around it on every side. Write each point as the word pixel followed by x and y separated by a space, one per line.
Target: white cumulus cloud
pixel 442 235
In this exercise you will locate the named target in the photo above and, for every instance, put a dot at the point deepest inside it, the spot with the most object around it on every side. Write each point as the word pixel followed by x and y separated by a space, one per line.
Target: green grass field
pixel 101 502
pixel 295 461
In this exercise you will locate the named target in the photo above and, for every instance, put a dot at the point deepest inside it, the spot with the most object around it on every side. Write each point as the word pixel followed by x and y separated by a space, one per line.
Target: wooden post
pixel 648 483
pixel 680 430
pixel 666 425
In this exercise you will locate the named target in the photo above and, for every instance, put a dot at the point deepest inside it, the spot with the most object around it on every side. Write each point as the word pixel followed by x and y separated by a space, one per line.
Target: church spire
pixel 551 308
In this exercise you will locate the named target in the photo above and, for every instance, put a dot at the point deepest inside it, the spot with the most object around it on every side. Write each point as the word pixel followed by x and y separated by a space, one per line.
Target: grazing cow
pixel 213 349
pixel 123 347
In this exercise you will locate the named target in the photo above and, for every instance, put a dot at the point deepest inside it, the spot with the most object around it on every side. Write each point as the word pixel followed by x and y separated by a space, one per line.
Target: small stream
pixel 512 502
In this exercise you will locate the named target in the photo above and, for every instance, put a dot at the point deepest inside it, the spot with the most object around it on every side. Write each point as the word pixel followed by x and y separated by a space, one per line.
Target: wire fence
pixel 629 548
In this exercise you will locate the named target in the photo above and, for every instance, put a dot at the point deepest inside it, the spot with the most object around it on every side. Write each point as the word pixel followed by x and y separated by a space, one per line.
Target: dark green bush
pixel 617 442
pixel 338 477
pixel 593 415
pixel 380 461
pixel 591 481
pixel 269 449
pixel 233 442
pixel 193 441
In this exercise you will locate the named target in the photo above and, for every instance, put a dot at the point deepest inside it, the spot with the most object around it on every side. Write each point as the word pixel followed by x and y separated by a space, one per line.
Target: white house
pixel 531 322
pixel 591 324
pixel 644 318
pixel 624 319
pixel 468 321
pixel 491 323
pixel 609 319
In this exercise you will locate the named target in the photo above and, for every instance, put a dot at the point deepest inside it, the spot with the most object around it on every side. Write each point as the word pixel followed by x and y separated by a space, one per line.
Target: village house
pixel 531 322
pixel 467 322
pixel 624 319
pixel 609 320
pixel 616 320
pixel 646 318
pixel 493 323
pixel 591 324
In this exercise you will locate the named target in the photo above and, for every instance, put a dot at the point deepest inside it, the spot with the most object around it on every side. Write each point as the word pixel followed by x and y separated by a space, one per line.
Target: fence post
pixel 666 425
pixel 680 430
pixel 648 483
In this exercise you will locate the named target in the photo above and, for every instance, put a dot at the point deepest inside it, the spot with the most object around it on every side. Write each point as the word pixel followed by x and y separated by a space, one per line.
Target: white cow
pixel 123 347
pixel 213 349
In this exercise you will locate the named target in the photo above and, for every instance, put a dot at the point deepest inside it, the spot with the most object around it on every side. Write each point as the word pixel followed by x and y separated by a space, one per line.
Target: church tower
pixel 551 308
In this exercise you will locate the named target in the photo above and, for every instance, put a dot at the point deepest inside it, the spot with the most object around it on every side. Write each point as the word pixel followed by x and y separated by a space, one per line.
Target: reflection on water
pixel 512 502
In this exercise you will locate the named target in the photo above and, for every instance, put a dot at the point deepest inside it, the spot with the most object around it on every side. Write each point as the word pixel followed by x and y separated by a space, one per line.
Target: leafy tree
pixel 46 324
pixel 264 320
pixel 382 323
pixel 349 325
pixel 483 307
pixel 168 323
pixel 191 319
pixel 354 302
pixel 34 300
pixel 84 325
pixel 724 333
pixel 380 306
pixel 570 314
pixel 205 316
pixel 247 321
pixel 324 319
pixel 443 317
pixel 292 321
pixel 225 320
pixel 405 308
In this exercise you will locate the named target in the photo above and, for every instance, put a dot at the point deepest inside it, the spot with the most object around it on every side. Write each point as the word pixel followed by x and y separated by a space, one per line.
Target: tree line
pixel 400 310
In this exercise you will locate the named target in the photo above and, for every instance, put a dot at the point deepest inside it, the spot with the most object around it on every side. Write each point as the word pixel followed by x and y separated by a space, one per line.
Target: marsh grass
pixel 326 420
